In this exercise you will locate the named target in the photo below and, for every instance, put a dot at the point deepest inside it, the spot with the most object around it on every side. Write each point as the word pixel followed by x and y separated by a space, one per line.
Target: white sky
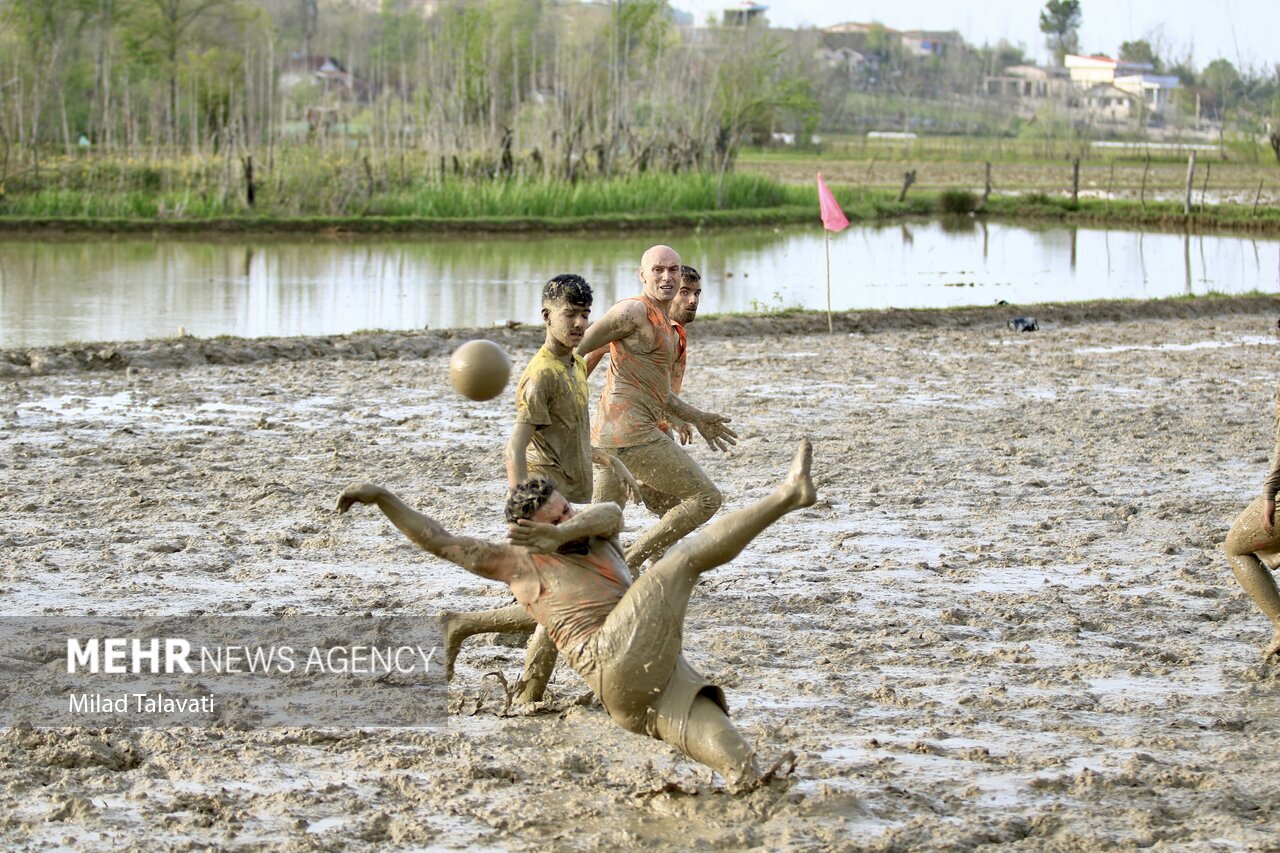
pixel 1247 32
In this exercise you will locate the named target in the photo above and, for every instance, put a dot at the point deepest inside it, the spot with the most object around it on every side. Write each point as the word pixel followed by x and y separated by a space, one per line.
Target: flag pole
pixel 827 242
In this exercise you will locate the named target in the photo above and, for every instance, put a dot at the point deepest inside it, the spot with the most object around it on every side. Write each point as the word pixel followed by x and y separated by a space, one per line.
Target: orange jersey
pixel 575 593
pixel 637 385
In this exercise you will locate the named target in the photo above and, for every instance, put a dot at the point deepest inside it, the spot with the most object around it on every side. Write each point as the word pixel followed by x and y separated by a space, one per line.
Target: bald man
pixel 643 350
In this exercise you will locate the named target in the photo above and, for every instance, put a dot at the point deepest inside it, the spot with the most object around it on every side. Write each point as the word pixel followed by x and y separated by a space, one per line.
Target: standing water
pixel 53 291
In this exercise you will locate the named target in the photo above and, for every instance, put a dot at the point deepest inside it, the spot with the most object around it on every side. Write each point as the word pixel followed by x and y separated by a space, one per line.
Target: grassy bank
pixel 350 194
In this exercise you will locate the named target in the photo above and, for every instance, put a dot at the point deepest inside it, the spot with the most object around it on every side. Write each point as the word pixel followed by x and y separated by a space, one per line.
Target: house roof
pixel 1163 81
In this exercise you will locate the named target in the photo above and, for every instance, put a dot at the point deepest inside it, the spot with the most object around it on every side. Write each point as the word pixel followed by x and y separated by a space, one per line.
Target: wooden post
pixel 1191 175
pixel 826 235
pixel 907 180
pixel 1256 196
pixel 1075 181
pixel 1208 167
pixel 986 189
pixel 1142 193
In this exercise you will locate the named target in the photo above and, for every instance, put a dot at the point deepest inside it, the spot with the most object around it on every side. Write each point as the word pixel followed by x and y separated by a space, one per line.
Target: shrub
pixel 957 201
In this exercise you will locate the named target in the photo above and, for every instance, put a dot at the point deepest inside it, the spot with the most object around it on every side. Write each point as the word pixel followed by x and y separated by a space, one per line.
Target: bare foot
pixel 1273 647
pixel 448 622
pixel 798 486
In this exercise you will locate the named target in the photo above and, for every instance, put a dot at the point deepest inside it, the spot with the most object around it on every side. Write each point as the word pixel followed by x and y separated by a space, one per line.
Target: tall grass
pixel 310 182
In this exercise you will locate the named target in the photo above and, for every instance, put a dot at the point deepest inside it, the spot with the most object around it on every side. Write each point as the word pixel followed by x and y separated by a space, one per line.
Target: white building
pixel 1155 89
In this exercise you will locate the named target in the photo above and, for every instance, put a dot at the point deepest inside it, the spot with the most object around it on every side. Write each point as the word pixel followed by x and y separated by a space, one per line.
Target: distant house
pixel 844 58
pixel 1155 90
pixel 744 13
pixel 931 43
pixel 857 27
pixel 1027 82
pixel 300 68
pixel 1087 71
pixel 1105 102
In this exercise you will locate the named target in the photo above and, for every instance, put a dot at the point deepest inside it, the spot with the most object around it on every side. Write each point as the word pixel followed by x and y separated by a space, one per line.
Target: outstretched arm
pixel 498 562
pixel 603 520
pixel 712 426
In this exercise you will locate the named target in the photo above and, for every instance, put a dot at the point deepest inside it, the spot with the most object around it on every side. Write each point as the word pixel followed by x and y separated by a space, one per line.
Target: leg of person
pixel 637 651
pixel 456 627
pixel 1247 537
pixel 695 497
pixel 711 738
pixel 658 503
pixel 539 662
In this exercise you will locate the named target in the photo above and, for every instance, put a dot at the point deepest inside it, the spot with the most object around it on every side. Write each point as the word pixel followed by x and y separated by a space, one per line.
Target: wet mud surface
pixel 1006 619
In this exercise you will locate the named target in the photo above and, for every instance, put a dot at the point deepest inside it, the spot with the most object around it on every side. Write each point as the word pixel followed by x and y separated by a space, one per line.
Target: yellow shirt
pixel 553 397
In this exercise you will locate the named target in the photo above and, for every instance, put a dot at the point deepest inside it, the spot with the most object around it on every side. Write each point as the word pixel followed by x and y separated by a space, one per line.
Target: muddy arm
pixel 713 427
pixel 603 520
pixel 516 455
pixel 618 322
pixel 595 357
pixel 497 562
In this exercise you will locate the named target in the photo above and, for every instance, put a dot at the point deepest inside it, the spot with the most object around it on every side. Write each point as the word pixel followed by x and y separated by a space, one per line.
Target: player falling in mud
pixel 625 639
pixel 1253 546
pixel 636 399
pixel 551 439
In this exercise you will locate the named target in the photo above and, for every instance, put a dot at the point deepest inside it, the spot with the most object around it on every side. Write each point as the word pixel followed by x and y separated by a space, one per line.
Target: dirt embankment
pixel 377 346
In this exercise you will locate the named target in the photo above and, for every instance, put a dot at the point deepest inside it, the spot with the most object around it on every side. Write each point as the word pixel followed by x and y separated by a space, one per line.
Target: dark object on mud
pixel 1023 324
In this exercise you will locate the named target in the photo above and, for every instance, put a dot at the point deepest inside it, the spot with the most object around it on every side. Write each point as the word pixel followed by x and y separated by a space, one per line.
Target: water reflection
pixel 101 288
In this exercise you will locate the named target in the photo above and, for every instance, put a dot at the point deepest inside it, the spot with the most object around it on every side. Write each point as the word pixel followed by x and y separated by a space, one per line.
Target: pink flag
pixel 833 218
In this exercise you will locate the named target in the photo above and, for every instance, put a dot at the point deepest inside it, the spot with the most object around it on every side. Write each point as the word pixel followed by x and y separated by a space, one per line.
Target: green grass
pixel 306 191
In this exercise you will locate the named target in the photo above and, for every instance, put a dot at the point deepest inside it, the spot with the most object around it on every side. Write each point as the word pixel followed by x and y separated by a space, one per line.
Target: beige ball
pixel 479 370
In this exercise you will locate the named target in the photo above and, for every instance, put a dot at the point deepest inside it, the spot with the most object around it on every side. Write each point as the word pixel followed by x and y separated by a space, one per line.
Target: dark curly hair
pixel 567 287
pixel 689 274
pixel 526 498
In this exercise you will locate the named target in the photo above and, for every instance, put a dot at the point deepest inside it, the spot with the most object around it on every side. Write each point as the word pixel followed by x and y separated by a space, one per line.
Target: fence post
pixel 1075 181
pixel 1191 176
pixel 986 190
pixel 907 180
pixel 1142 193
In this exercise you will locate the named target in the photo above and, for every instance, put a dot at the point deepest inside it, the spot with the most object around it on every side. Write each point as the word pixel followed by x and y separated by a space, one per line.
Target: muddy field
pixel 1006 620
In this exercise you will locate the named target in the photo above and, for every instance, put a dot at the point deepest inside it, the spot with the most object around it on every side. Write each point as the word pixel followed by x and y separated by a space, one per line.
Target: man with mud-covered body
pixel 684 310
pixel 625 639
pixel 636 398
pixel 1253 546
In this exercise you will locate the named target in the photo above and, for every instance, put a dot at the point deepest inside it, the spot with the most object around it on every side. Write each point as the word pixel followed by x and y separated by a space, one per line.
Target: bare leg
pixel 456 627
pixel 1247 538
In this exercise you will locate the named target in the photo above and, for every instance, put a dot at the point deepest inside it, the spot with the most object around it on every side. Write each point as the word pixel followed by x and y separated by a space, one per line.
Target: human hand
pixel 719 436
pixel 684 432
pixel 365 493
pixel 537 536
